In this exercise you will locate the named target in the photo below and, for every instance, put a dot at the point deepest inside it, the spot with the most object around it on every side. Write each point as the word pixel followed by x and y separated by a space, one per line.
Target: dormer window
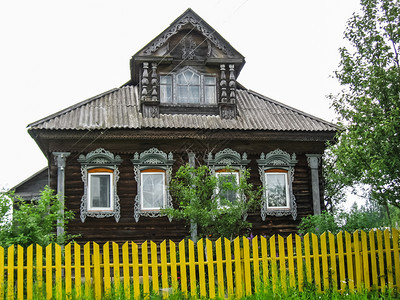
pixel 188 87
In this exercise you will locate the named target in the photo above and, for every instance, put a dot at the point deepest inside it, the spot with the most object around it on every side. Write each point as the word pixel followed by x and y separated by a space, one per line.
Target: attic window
pixel 188 87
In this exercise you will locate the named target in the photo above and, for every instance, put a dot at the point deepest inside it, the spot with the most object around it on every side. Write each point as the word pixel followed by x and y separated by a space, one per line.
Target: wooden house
pixel 113 155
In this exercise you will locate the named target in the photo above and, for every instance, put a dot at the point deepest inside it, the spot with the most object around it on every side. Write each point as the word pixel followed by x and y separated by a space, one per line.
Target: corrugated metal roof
pixel 119 108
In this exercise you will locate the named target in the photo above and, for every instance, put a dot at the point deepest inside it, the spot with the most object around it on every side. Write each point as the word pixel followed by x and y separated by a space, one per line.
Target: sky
pixel 56 53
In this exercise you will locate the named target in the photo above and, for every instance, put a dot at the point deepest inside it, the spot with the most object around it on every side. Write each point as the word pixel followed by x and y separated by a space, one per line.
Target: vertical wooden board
pixel 274 267
pixel 264 254
pixel 395 237
pixel 349 256
pixel 49 272
pixel 10 272
pixel 174 270
pixel 182 267
pixel 116 267
pixel 220 268
pixel 256 263
pixel 154 267
pixel 202 273
pixel 78 270
pixel 164 269
pixel 332 254
pixel 86 268
pixel 20 272
pixel 357 260
pixel 247 267
pixel 365 260
pixel 39 270
pixel 97 275
pixel 381 260
pixel 145 266
pixel 238 267
pixel 192 269
pixel 342 267
pixel 307 255
pixel 135 270
pixel 2 285
pixel 228 266
pixel 106 269
pixel 324 259
pixel 290 256
pixel 59 285
pixel 372 248
pixel 282 262
pixel 68 272
pixel 388 251
pixel 317 272
pixel 210 262
pixel 29 273
pixel 125 270
pixel 299 263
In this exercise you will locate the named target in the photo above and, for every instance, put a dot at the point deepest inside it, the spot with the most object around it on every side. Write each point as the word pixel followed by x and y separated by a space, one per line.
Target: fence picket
pixel 154 267
pixel 274 267
pixel 135 272
pixel 299 263
pixel 264 254
pixel 106 269
pixel 174 270
pixel 210 262
pixel 292 274
pixel 182 266
pixel 68 272
pixel 247 269
pixel 164 269
pixel 20 272
pixel 332 254
pixel 125 270
pixel 1 272
pixel 238 267
pixel 349 256
pixel 78 270
pixel 49 272
pixel 317 272
pixel 374 271
pixel 220 270
pixel 228 266
pixel 395 237
pixel 389 266
pixel 202 274
pixel 57 250
pixel 29 273
pixel 86 268
pixel 381 260
pixel 145 269
pixel 10 272
pixel 342 277
pixel 357 259
pixel 365 261
pixel 282 262
pixel 256 263
pixel 192 268
pixel 307 254
pixel 97 274
pixel 324 259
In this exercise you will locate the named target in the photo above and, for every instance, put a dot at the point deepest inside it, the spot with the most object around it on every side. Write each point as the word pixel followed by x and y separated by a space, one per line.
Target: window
pixel 276 174
pixel 153 170
pixel 228 183
pixel 100 175
pixel 188 87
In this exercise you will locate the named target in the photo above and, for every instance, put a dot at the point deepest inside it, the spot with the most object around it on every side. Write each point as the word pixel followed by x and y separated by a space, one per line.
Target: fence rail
pixel 208 268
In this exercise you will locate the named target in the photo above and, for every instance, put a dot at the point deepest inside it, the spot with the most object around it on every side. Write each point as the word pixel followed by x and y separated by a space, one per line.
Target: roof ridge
pixel 265 98
pixel 72 107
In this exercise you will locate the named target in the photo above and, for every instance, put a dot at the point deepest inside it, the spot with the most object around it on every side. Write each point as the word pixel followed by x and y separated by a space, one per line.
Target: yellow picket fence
pixel 208 268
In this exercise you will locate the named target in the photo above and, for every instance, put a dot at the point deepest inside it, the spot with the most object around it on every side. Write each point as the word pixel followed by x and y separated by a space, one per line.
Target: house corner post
pixel 60 162
pixel 313 162
pixel 193 225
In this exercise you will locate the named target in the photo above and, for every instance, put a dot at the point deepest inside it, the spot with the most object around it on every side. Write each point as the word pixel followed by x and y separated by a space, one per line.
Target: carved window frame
pixel 277 161
pixel 103 159
pixel 230 159
pixel 173 85
pixel 148 160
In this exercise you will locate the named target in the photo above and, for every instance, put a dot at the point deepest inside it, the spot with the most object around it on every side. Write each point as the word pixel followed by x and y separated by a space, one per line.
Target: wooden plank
pixel 374 270
pixel 299 263
pixel 290 256
pixel 49 272
pixel 78 270
pixel 388 251
pixel 282 262
pixel 324 259
pixel 116 266
pixel 174 269
pixel 182 267
pixel 247 267
pixel 238 267
pixel 349 256
pixel 192 269
pixel 264 254
pixel 2 283
pixel 202 273
pixel 97 275
pixel 59 284
pixel 332 255
pixel 228 266
pixel 220 268
pixel 256 264
pixel 154 267
pixel 307 255
pixel 10 272
pixel 106 270
pixel 135 271
pixel 68 271
pixel 86 268
pixel 164 269
pixel 274 267
pixel 365 260
pixel 339 240
pixel 357 260
pixel 381 260
pixel 210 263
pixel 125 270
pixel 317 272
pixel 396 253
pixel 145 266
pixel 20 272
pixel 29 273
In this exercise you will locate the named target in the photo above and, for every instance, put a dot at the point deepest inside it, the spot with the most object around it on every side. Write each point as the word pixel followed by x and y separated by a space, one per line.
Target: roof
pixel 120 108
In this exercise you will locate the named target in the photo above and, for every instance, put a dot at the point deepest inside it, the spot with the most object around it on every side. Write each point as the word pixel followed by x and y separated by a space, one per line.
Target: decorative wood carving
pixel 154 82
pixel 222 84
pixel 188 48
pixel 145 80
pixel 232 84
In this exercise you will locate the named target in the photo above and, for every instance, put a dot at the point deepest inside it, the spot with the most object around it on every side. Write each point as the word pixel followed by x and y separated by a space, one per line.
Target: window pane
pixel 100 191
pixel 165 80
pixel 228 186
pixel 152 190
pixel 277 190
pixel 209 94
pixel 208 80
pixel 194 94
pixel 165 89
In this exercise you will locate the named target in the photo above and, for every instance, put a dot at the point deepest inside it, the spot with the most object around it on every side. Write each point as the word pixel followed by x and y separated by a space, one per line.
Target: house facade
pixel 112 156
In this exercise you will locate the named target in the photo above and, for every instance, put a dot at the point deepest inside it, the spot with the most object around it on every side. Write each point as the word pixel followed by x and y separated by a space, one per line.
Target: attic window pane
pixel 165 89
pixel 188 84
pixel 209 90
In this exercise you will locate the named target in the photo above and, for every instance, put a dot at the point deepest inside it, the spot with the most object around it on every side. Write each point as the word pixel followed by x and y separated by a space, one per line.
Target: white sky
pixel 54 54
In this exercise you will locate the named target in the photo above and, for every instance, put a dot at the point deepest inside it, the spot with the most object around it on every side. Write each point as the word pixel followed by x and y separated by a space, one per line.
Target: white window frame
pixel 287 194
pixel 111 192
pixel 162 172
pixel 237 177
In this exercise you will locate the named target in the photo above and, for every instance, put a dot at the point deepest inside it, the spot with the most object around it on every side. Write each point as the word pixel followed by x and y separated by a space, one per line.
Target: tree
pixel 368 144
pixel 32 222
pixel 195 191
